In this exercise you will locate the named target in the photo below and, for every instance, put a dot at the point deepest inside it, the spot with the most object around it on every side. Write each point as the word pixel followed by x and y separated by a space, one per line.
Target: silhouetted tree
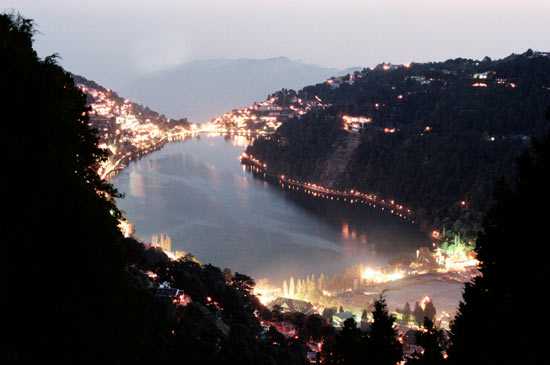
pixel 346 347
pixel 63 240
pixel 488 328
pixel 364 315
pixel 432 341
pixel 418 313
pixel 429 310
pixel 328 313
pixel 313 327
pixel 383 348
pixel 407 312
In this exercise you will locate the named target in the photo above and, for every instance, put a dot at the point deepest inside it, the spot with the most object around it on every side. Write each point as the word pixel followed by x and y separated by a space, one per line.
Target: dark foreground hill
pixel 434 136
pixel 76 290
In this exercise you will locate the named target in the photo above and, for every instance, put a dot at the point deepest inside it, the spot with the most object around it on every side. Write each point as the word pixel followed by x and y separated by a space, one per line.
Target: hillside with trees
pixel 78 292
pixel 490 328
pixel 433 136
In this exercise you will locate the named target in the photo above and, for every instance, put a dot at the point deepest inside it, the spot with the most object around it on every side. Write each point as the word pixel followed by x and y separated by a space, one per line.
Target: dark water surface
pixel 197 192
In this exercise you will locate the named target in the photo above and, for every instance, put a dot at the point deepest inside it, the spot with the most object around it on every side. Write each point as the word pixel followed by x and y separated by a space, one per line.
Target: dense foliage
pixel 490 327
pixel 378 345
pixel 459 125
pixel 432 342
pixel 77 291
pixel 64 263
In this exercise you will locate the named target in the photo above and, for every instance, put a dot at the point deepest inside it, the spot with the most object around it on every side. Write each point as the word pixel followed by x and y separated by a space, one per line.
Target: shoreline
pixel 353 197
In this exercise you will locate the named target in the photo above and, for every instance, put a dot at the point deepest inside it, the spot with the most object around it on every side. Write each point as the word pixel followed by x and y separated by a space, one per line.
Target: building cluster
pixel 357 287
pixel 126 129
pixel 489 78
pixel 266 116
pixel 349 79
pixel 355 123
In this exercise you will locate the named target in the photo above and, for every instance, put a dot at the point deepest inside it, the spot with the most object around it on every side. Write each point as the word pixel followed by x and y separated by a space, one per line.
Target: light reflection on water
pixel 197 192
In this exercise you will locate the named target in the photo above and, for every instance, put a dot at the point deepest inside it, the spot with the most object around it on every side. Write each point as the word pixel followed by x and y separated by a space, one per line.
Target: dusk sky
pixel 112 41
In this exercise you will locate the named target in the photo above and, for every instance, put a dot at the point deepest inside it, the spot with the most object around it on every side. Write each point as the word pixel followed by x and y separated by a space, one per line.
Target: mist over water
pixel 197 192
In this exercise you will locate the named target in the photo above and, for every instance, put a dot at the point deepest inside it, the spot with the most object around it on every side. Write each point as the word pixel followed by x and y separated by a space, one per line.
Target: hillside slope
pixel 432 135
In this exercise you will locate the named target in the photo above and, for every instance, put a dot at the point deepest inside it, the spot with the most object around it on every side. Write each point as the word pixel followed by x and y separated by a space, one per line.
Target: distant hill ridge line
pixel 204 89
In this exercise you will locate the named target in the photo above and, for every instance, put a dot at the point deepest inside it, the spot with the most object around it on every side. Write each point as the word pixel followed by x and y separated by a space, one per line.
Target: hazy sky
pixel 113 40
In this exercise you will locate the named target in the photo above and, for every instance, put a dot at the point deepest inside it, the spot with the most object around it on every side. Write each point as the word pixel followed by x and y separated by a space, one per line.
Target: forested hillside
pixel 77 291
pixel 434 136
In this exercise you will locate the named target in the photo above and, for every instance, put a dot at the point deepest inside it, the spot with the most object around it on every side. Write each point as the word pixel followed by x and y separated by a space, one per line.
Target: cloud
pixel 158 51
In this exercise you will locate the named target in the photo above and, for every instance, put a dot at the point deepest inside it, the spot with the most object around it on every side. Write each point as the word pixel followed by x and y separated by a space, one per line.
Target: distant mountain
pixel 204 89
pixel 433 136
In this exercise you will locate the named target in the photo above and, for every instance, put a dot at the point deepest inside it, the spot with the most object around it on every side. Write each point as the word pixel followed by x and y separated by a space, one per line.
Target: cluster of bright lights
pixel 353 124
pixel 266 292
pixel 264 117
pixel 378 276
pixel 455 256
pixel 126 133
pixel 318 191
pixel 126 228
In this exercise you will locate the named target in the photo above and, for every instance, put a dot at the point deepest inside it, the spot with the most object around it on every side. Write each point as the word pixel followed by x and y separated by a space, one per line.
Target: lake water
pixel 198 193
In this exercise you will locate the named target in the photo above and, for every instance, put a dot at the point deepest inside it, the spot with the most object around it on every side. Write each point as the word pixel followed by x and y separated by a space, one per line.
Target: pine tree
pixel 432 341
pixel 429 310
pixel 364 316
pixel 364 320
pixel 489 327
pixel 407 313
pixel 347 347
pixel 418 313
pixel 383 348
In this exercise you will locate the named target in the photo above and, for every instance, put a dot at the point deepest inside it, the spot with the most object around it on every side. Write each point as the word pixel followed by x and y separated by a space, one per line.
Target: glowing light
pixel 425 301
pixel 455 257
pixel 266 292
pixel 378 276
pixel 479 84
pixel 355 123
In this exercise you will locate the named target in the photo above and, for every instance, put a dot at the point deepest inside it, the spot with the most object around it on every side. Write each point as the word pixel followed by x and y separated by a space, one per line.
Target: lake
pixel 198 193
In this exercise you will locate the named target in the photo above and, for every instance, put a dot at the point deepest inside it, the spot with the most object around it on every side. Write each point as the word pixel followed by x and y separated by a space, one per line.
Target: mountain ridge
pixel 204 89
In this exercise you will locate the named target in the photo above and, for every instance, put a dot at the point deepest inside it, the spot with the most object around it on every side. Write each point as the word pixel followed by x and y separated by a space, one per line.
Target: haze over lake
pixel 198 193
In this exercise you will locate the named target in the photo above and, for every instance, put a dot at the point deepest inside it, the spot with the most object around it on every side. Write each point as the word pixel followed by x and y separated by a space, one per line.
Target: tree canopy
pixel 495 324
